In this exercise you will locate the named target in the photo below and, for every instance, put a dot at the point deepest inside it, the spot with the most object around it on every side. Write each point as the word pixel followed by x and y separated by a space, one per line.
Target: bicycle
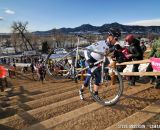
pixel 64 67
pixel 109 94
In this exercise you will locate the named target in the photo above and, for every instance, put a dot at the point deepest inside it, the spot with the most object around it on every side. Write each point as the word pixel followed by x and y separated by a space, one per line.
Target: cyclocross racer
pixel 92 57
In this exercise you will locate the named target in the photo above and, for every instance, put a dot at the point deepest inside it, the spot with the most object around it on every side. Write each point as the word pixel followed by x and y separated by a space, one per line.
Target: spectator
pixel 143 47
pixel 12 70
pixel 42 72
pixel 13 60
pixel 3 80
pixel 82 62
pixel 135 54
pixel 155 52
pixel 17 61
pixel 32 67
pixel 119 56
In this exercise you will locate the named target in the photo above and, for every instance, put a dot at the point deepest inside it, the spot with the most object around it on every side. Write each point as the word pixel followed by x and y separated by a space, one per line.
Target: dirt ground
pixel 33 103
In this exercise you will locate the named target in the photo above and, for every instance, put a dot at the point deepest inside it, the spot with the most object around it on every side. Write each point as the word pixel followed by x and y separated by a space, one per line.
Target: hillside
pixel 87 28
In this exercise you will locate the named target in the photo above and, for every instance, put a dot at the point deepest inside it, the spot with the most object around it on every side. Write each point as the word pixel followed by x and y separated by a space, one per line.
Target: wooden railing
pixel 114 64
pixel 134 62
pixel 138 73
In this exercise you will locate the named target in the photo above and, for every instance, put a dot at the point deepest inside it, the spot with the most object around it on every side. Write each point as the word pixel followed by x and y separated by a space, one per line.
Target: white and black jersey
pixel 100 46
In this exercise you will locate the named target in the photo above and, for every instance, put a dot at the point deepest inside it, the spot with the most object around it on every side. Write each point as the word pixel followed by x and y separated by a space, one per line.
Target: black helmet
pixel 114 32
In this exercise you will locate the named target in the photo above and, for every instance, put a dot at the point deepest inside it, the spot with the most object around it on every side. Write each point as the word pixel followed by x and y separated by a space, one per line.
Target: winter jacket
pixel 135 50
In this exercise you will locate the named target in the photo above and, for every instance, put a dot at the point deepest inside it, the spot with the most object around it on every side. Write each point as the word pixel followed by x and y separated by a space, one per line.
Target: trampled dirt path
pixel 55 105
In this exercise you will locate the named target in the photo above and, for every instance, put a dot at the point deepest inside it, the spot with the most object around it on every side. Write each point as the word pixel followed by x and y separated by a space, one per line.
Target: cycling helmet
pixel 129 38
pixel 114 32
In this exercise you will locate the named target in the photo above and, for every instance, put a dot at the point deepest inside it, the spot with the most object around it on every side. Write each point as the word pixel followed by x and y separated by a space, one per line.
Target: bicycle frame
pixel 72 70
pixel 96 63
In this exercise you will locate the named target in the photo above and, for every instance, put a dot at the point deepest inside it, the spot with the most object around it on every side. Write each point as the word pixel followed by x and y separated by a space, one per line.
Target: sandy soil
pixel 36 102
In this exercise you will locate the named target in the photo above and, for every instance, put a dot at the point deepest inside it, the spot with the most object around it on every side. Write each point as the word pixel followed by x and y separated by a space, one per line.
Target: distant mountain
pixel 87 28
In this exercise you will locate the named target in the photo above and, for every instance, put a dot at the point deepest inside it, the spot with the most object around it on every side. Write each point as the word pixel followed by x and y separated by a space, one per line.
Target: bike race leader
pixel 92 57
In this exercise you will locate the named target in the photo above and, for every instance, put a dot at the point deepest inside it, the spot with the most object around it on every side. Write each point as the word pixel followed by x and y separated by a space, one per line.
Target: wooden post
pixel 113 76
pixel 82 76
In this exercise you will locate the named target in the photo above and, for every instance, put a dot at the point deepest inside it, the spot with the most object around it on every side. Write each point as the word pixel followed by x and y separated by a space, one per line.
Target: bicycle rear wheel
pixel 109 94
pixel 57 67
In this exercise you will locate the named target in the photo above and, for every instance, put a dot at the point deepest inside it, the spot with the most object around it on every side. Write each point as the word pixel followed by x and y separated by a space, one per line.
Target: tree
pixel 71 41
pixel 45 47
pixel 20 29
pixel 36 41
pixel 8 43
pixel 14 42
pixel 60 39
pixel 91 38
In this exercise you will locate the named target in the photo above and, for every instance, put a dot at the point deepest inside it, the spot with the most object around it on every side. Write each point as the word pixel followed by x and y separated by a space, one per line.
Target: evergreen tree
pixel 45 47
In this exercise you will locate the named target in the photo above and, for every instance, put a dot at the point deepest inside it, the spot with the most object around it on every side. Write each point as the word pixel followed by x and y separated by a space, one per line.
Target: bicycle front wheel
pixel 110 89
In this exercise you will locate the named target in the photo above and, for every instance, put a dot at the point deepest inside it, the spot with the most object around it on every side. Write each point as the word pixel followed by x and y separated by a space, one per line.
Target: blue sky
pixel 47 14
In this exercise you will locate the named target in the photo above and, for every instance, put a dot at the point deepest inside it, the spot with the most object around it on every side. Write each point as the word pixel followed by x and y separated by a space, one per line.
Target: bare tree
pixel 14 42
pixel 21 29
pixel 35 40
pixel 73 41
pixel 60 39
pixel 91 38
pixel 8 43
